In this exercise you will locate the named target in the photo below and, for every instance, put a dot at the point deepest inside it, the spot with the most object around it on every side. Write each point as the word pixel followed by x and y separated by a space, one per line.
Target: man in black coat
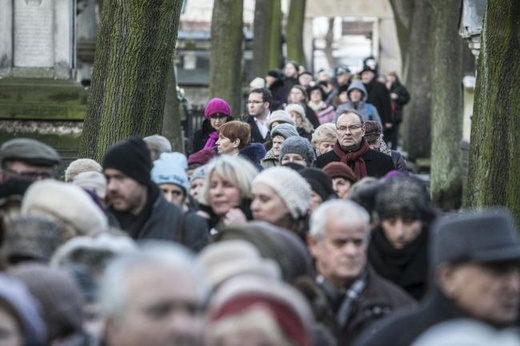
pixel 258 104
pixel 138 205
pixel 352 149
pixel 356 295
pixel 475 261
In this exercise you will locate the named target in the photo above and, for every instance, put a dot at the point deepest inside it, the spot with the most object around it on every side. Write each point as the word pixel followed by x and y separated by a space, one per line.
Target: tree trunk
pixel 173 115
pixel 294 36
pixel 403 14
pixel 416 129
pixel 329 41
pixel 274 49
pixel 132 65
pixel 226 53
pixel 267 40
pixel 494 163
pixel 446 71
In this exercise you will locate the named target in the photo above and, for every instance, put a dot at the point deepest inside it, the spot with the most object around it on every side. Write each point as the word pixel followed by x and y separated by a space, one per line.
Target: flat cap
pixel 481 237
pixel 30 151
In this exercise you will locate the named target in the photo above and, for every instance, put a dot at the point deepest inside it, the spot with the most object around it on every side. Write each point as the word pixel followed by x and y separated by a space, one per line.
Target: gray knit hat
pixel 279 116
pixel 284 130
pixel 298 145
pixel 292 188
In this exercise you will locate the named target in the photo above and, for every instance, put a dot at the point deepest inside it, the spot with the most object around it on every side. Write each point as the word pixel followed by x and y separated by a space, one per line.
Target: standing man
pixel 137 203
pixel 258 104
pixel 154 297
pixel 27 159
pixel 475 262
pixel 353 150
pixel 356 295
pixel 378 95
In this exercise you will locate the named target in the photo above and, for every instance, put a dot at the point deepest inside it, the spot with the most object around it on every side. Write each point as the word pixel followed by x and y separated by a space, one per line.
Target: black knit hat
pixel 132 158
pixel 319 181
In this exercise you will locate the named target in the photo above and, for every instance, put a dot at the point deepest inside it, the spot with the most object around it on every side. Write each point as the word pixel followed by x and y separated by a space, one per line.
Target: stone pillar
pixel 64 40
pixel 6 39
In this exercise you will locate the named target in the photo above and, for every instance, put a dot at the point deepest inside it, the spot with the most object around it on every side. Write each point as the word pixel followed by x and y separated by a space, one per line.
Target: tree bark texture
pixel 416 129
pixel 267 39
pixel 274 49
pixel 294 32
pixel 494 163
pixel 226 53
pixel 173 115
pixel 446 72
pixel 134 51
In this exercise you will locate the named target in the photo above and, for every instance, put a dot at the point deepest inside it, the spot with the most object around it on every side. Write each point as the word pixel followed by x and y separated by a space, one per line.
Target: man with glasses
pixel 352 149
pixel 27 159
pixel 258 104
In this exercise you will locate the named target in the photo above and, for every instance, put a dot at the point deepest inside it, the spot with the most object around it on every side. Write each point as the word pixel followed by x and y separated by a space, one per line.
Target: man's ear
pixel 446 278
pixel 312 244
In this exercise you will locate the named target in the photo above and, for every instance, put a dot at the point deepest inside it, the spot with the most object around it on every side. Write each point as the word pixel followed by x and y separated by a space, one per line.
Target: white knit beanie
pixel 290 186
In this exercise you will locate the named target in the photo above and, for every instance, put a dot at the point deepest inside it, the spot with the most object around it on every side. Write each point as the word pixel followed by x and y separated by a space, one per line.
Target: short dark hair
pixel 266 94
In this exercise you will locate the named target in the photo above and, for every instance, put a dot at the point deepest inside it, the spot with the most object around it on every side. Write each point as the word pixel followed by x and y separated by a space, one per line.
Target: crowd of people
pixel 274 232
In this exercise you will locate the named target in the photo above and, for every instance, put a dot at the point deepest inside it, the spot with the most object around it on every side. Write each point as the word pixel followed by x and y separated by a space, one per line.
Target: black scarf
pixel 407 267
pixel 133 224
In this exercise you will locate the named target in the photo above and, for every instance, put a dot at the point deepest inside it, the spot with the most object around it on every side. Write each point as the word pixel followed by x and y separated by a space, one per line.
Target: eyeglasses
pixel 351 128
pixel 32 176
pixel 254 102
pixel 218 116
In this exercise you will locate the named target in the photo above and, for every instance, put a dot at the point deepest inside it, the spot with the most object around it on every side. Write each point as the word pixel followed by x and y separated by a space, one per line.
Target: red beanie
pixel 217 106
pixel 340 170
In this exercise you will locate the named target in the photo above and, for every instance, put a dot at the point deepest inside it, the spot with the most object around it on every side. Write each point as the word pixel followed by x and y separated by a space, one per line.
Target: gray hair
pixel 113 291
pixel 157 145
pixel 235 169
pixel 347 211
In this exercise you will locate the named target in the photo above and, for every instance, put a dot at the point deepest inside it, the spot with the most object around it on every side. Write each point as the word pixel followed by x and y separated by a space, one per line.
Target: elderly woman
pixel 303 125
pixel 297 150
pixel 399 243
pixel 324 138
pixel 216 113
pixel 281 197
pixel 234 139
pixel 278 136
pixel 226 195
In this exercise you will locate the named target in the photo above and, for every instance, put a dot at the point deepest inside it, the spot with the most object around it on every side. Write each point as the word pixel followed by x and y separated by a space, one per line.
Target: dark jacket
pixel 201 136
pixel 256 136
pixel 378 164
pixel 404 327
pixel 379 96
pixel 166 221
pixel 407 267
pixel 279 92
pixel 403 97
pixel 254 152
pixel 378 299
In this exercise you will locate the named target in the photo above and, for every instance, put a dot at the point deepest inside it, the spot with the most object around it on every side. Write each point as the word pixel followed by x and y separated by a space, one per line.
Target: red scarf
pixel 356 157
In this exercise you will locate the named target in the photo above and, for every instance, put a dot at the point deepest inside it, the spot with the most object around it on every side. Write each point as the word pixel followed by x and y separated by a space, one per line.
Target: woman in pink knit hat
pixel 216 113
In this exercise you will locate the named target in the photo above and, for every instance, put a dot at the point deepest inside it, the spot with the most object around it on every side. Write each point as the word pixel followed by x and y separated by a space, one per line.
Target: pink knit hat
pixel 217 106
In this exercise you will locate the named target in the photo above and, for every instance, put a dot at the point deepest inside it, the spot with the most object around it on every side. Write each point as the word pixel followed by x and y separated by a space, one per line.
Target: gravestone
pixel 37 38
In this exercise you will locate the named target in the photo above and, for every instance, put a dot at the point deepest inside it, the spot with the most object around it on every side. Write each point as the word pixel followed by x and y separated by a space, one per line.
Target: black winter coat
pixel 379 96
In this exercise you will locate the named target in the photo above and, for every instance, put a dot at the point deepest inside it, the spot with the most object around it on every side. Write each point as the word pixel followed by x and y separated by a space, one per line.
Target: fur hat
pixel 79 166
pixel 319 181
pixel 30 151
pixel 92 181
pixel 58 295
pixel 66 203
pixel 338 169
pixel 298 145
pixel 132 158
pixel 27 309
pixel 295 107
pixel 217 106
pixel 294 191
pixel 226 259
pixel 170 168
pixel 31 237
pixel 406 197
pixel 372 130
pixel 284 130
pixel 279 116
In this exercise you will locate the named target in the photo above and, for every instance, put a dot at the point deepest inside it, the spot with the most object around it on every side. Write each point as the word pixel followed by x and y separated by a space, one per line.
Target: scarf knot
pixel 354 158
